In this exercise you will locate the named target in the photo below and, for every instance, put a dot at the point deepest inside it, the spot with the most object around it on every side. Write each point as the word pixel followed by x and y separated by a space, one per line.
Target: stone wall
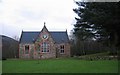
pixel 53 52
pixel 38 43
pixel 66 50
pixel 42 55
pixel 22 51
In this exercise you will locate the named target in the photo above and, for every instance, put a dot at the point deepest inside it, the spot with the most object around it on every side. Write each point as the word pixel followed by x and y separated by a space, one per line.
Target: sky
pixel 30 15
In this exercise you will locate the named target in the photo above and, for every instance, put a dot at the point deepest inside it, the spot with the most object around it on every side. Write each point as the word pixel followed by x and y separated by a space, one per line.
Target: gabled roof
pixel 60 37
pixel 30 37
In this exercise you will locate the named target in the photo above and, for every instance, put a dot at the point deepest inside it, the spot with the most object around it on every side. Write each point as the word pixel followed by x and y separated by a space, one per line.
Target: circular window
pixel 45 36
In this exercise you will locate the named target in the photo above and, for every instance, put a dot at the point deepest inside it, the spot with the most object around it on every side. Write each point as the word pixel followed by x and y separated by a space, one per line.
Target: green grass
pixel 0 66
pixel 60 66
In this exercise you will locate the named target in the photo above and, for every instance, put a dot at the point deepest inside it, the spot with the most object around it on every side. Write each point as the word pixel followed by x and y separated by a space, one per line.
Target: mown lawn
pixel 60 66
pixel 0 66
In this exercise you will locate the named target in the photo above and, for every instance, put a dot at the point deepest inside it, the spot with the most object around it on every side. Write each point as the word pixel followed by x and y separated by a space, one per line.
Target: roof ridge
pixel 58 36
pixel 57 31
pixel 40 31
pixel 31 31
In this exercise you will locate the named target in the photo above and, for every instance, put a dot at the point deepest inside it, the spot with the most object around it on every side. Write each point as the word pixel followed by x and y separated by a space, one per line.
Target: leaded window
pixel 45 47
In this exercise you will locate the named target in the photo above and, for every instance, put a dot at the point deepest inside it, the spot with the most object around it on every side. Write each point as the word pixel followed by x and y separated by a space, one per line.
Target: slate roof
pixel 30 37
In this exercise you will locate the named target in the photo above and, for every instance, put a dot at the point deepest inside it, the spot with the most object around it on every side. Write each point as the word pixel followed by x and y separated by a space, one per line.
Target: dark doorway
pixel 57 52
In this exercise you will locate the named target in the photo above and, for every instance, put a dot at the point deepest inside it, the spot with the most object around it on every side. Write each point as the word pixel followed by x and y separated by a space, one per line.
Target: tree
pixel 99 20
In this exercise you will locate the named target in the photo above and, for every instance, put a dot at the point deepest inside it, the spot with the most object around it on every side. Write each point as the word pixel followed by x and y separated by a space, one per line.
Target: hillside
pixel 9 47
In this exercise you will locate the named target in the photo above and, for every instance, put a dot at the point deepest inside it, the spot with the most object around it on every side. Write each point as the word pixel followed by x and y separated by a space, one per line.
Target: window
pixel 26 49
pixel 62 49
pixel 45 47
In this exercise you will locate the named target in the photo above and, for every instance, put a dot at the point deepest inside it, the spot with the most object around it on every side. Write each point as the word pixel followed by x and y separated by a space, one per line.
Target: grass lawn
pixel 59 66
pixel 0 66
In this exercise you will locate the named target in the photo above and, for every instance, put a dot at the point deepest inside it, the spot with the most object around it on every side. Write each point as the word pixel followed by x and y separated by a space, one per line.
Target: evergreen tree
pixel 99 20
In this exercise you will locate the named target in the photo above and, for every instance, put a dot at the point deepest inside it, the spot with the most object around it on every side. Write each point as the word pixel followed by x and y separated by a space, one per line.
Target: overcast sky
pixel 30 15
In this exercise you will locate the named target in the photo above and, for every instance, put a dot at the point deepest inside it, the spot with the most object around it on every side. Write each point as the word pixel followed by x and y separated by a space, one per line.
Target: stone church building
pixel 44 44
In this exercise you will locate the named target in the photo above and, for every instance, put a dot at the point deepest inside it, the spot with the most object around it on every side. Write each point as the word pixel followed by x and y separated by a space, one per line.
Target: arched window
pixel 45 47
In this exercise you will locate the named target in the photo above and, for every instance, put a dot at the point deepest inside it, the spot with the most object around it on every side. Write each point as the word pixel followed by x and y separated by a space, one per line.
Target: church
pixel 44 44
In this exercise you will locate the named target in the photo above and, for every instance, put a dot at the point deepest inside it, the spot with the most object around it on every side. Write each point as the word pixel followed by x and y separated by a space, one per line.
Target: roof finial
pixel 44 23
